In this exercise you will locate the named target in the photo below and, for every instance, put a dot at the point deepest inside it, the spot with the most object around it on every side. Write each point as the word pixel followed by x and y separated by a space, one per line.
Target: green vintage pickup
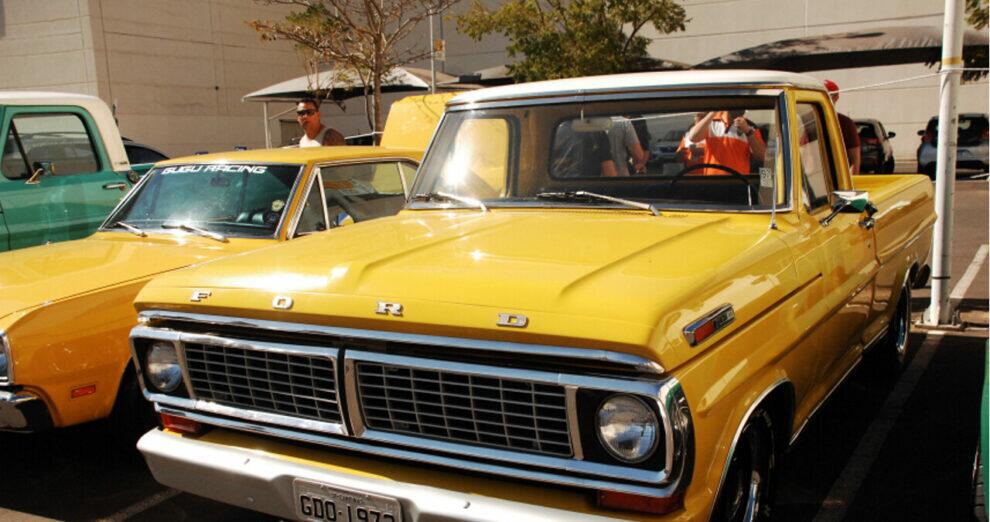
pixel 62 167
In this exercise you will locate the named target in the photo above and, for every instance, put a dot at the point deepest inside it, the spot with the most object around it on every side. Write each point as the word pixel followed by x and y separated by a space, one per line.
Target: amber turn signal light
pixel 180 424
pixel 641 503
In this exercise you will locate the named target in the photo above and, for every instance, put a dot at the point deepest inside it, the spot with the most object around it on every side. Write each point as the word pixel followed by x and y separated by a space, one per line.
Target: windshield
pixel 689 153
pixel 230 199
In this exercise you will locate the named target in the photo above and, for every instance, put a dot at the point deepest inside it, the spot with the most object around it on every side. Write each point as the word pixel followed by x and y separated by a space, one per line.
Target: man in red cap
pixel 850 135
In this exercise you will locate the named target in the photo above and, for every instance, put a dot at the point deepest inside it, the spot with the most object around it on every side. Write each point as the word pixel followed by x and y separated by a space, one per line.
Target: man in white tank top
pixel 315 134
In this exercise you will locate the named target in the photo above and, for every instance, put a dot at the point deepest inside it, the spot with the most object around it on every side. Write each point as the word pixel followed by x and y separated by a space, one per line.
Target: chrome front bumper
pixel 23 412
pixel 261 482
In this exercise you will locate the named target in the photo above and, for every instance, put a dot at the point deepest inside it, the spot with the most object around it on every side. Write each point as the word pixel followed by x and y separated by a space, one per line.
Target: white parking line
pixel 970 274
pixel 142 506
pixel 843 491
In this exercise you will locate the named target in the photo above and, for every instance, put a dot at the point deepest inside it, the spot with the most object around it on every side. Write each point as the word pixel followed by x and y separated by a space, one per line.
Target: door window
pixel 59 140
pixel 361 191
pixel 815 165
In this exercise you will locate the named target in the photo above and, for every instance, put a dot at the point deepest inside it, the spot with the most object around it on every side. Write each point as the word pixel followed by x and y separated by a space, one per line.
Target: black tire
pixel 132 415
pixel 888 167
pixel 979 490
pixel 747 492
pixel 890 355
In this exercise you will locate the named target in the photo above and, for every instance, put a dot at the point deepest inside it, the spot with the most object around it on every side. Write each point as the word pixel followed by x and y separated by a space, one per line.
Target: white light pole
pixel 940 309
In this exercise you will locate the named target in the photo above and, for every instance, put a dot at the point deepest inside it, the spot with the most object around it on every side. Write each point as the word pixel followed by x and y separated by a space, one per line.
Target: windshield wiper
pixel 581 195
pixel 444 196
pixel 130 228
pixel 196 230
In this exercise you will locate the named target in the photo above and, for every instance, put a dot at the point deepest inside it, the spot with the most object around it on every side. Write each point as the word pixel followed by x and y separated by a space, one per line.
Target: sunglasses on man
pixel 305 112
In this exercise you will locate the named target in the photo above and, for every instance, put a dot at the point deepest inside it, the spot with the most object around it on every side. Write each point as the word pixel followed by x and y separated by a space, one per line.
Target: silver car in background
pixel 972 150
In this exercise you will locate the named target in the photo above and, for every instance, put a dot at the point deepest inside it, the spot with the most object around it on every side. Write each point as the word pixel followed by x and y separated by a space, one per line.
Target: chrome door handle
pixel 115 186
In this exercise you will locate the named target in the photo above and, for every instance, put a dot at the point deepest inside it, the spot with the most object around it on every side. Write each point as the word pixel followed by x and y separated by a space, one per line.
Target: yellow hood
pixel 581 277
pixel 33 276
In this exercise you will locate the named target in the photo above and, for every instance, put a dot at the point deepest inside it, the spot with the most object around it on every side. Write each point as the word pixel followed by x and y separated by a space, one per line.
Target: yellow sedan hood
pixel 33 276
pixel 581 277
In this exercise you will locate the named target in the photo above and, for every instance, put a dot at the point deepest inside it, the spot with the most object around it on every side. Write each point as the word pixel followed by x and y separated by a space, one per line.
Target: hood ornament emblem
pixel 282 302
pixel 512 320
pixel 393 309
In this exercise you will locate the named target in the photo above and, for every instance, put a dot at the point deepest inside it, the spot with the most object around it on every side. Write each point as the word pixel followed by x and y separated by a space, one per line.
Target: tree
pixel 561 39
pixel 363 38
pixel 976 13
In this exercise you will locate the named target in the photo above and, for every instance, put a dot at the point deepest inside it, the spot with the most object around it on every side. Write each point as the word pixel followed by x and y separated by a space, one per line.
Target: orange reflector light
pixel 82 391
pixel 641 503
pixel 176 423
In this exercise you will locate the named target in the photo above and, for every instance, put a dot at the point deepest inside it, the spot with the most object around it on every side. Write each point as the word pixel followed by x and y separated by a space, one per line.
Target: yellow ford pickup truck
pixel 66 308
pixel 552 328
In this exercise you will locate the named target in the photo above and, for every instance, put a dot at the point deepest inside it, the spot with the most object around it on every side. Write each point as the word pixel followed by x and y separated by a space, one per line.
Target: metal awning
pixel 870 48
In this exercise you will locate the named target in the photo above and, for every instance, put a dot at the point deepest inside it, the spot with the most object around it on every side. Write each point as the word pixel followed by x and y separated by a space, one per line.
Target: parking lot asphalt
pixel 879 449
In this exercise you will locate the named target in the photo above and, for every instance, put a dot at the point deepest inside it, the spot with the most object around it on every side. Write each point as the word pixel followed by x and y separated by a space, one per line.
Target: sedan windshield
pixel 228 199
pixel 680 153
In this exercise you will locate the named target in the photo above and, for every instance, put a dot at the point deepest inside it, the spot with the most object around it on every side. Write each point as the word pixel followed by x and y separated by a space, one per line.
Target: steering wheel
pixel 341 201
pixel 698 166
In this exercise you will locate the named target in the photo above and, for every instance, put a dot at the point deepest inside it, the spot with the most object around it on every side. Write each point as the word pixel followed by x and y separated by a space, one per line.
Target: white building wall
pixel 720 27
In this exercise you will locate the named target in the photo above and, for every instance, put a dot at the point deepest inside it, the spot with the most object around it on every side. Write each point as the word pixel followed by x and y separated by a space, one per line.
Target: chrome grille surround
pixel 480 409
pixel 265 380
pixel 358 435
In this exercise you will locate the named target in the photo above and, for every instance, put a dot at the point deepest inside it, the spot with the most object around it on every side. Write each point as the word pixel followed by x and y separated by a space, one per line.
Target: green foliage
pixel 558 39
pixel 976 13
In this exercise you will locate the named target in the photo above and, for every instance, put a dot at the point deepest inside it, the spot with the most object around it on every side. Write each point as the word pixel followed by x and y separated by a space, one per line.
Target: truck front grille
pixel 275 382
pixel 492 411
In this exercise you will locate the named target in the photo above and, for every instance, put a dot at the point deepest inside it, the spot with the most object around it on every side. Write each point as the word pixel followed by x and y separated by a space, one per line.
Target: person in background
pixel 850 135
pixel 729 139
pixel 315 134
pixel 625 144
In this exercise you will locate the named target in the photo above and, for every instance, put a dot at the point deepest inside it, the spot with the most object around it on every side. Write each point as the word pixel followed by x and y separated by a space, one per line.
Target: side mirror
pixel 852 202
pixel 40 169
pixel 921 133
pixel 891 135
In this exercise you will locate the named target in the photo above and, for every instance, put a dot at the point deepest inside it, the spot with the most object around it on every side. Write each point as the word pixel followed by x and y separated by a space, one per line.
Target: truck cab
pixel 62 167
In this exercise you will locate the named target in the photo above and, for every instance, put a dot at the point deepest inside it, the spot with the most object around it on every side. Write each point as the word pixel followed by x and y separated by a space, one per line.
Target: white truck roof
pixel 105 123
pixel 639 81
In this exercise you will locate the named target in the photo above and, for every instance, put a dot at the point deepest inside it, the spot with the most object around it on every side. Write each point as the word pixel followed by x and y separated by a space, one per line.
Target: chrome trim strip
pixel 821 403
pixel 193 402
pixel 735 438
pixel 633 361
pixel 354 413
pixel 690 329
pixel 624 93
pixel 646 390
pixel 431 459
pixel 7 378
pixel 573 429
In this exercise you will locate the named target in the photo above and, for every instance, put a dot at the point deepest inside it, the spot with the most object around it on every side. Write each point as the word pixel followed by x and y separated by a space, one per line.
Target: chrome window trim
pixel 315 180
pixel 634 362
pixel 713 91
pixel 621 94
pixel 193 402
pixel 645 391
pixel 406 455
pixel 283 221
pixel 7 378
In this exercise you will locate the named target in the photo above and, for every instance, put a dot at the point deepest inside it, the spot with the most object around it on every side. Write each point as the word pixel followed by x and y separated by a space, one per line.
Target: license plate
pixel 315 501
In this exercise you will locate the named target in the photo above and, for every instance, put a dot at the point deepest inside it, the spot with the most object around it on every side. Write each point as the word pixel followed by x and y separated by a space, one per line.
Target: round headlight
pixel 628 428
pixel 163 367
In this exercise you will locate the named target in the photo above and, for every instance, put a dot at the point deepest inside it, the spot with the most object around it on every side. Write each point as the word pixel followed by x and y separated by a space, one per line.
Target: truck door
pixel 848 250
pixel 78 187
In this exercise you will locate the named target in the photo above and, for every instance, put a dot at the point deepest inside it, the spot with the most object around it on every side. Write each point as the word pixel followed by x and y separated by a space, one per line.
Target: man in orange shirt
pixel 729 140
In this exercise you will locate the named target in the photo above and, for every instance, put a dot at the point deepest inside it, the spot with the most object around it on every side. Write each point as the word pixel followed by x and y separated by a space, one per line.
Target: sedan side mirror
pixel 921 133
pixel 891 135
